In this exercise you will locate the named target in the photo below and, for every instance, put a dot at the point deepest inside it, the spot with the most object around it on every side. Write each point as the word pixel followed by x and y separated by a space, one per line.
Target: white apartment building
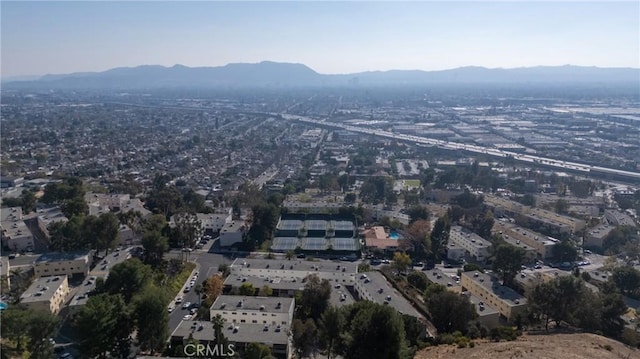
pixel 16 236
pixel 254 310
pixel 476 246
pixel 342 273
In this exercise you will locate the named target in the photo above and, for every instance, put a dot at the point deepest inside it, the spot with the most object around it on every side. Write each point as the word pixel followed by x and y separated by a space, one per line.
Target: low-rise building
pixel 16 236
pixel 336 272
pixel 5 278
pixel 254 310
pixel 232 233
pixel 487 315
pixel 237 335
pixel 374 287
pixel 542 244
pixel 489 289
pixel 63 263
pixel 452 282
pixel 595 237
pixel 47 293
pixel 280 286
pixel 377 238
pixel 214 222
pixel 476 246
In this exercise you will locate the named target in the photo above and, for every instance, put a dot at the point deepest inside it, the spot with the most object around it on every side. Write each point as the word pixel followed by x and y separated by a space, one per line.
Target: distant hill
pixel 274 74
pixel 565 346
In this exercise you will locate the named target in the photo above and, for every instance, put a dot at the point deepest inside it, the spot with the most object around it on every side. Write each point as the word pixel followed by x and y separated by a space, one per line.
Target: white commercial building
pixel 254 310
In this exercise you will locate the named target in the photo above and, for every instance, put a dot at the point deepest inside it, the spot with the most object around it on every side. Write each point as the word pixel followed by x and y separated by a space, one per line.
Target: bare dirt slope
pixel 551 346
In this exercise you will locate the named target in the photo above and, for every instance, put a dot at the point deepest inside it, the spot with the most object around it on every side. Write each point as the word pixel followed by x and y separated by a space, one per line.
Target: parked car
pixel 187 317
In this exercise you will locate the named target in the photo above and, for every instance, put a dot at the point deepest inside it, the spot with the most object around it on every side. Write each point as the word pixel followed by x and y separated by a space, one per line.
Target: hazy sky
pixel 330 37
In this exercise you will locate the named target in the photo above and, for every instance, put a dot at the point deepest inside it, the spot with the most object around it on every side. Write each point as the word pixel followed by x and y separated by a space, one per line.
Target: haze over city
pixel 330 37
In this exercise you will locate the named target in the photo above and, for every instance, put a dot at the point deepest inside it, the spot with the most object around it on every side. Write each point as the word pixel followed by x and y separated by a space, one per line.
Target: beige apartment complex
pixel 47 293
pixel 58 263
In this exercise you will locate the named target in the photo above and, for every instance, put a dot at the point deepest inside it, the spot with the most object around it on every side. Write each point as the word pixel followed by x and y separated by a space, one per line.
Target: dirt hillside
pixel 552 346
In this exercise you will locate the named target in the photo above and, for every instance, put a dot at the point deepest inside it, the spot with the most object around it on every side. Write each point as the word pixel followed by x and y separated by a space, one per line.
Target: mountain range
pixel 277 74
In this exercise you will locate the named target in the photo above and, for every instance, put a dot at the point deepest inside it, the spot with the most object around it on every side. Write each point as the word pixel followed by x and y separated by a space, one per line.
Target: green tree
pixel 155 246
pixel 257 351
pixel 303 337
pixel 561 206
pixel 564 251
pixel 373 331
pixel 401 261
pixel 99 322
pixel 433 289
pixel 450 311
pixel 418 213
pixel 508 262
pixel 106 231
pixel 266 291
pixel 15 326
pixel 152 319
pixel 557 299
pixel 188 229
pixel 314 298
pixel 42 325
pixel 247 289
pixel 627 279
pixel 128 278
pixel 418 280
pixel 440 237
pixel 31 329
pixel 330 327
pixel 613 307
pixel 76 206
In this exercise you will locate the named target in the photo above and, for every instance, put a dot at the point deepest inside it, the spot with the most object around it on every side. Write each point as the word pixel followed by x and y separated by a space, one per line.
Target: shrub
pixel 446 339
pixel 608 347
pixel 462 342
pixel 503 333
pixel 472 344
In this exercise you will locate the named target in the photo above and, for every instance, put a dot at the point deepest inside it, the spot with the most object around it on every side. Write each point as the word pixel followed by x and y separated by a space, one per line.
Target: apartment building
pixel 67 263
pixel 47 293
pixel 280 287
pixel 492 293
pixel 232 233
pixel 16 236
pixel 542 244
pixel 214 222
pixel 476 246
pixel 374 287
pixel 342 273
pixel 254 310
pixel 595 237
pixel 237 335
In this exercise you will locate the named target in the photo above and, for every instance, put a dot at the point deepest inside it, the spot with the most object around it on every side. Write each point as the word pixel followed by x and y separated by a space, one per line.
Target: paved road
pixel 207 265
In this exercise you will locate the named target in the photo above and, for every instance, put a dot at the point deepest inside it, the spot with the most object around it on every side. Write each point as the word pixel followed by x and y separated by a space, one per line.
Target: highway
pixel 564 165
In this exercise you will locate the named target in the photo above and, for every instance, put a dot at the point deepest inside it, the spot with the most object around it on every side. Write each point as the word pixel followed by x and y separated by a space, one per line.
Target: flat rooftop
pixel 294 265
pixel 439 277
pixel 250 303
pixel 82 291
pixel 482 310
pixel 379 289
pixel 42 289
pixel 63 256
pixel 274 282
pixel 234 332
pixel 493 285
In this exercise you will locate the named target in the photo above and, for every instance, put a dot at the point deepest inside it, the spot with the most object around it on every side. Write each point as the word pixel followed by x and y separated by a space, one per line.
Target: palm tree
pixel 289 255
